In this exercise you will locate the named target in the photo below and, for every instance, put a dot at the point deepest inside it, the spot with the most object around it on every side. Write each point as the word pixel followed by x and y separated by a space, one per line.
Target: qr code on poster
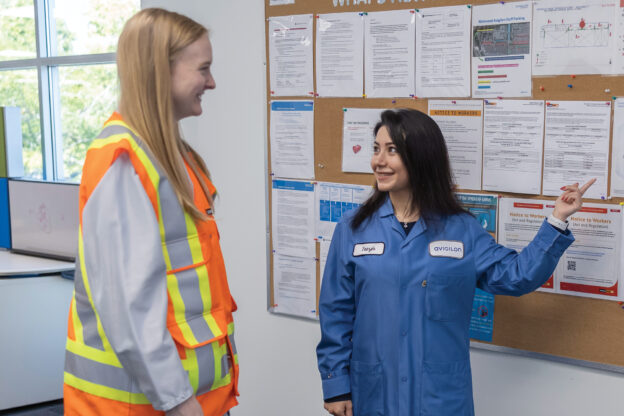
pixel 571 265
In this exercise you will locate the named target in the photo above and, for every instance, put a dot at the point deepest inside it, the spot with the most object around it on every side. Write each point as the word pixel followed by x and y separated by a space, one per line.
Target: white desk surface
pixel 19 264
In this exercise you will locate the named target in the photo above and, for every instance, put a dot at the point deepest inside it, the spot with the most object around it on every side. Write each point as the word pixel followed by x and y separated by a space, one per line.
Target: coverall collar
pixel 387 210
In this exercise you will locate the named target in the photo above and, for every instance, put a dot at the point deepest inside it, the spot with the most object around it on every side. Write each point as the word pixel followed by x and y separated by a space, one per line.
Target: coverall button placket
pixel 404 351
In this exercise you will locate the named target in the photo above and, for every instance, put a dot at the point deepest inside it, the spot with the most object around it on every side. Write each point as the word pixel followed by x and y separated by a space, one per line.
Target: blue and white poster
pixel 332 201
pixel 483 207
pixel 482 318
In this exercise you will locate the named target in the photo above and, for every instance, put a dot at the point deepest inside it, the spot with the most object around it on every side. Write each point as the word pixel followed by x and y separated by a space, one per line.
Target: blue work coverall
pixel 395 309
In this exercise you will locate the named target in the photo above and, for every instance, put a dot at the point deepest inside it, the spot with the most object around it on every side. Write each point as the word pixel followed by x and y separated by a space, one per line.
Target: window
pixel 57 63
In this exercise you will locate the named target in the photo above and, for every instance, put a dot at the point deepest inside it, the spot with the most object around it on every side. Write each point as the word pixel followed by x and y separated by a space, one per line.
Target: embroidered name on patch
pixel 368 249
pixel 444 248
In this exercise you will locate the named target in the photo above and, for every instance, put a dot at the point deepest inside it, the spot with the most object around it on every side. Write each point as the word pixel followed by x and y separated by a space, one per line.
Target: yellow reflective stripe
pixel 85 280
pixel 230 328
pixel 122 124
pixel 220 380
pixel 202 274
pixel 192 367
pixel 104 391
pixel 76 320
pixel 93 354
pixel 179 309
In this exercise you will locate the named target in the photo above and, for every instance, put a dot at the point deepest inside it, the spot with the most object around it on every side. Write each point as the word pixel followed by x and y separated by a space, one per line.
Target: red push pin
pixel 573 76
pixel 541 88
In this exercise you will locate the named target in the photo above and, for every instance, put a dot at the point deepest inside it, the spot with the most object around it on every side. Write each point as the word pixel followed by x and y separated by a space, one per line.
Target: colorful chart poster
pixel 501 50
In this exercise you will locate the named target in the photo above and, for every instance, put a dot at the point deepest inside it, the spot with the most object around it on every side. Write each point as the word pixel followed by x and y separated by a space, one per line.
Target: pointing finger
pixel 587 185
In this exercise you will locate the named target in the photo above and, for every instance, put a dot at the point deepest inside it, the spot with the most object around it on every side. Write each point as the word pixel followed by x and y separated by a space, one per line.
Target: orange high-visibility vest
pixel 95 382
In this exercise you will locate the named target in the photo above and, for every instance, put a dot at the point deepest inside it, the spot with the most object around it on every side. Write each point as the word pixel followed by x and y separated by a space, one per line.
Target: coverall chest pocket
pixel 367 388
pixel 448 297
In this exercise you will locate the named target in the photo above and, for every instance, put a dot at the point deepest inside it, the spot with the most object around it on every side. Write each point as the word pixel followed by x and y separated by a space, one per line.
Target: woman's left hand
pixel 571 200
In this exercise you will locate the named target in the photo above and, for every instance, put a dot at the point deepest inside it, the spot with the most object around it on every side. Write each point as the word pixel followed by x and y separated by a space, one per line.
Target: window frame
pixel 47 65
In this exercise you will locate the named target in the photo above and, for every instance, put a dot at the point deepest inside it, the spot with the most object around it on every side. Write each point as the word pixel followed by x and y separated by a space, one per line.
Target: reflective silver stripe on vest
pixel 85 312
pixel 233 343
pixel 174 224
pixel 205 362
pixel 225 364
pixel 97 373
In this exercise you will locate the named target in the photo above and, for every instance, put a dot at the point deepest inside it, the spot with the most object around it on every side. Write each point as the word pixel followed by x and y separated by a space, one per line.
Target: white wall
pixel 278 365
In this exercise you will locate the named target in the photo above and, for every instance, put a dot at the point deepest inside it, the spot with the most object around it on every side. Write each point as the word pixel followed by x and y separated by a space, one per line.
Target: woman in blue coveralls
pixel 400 277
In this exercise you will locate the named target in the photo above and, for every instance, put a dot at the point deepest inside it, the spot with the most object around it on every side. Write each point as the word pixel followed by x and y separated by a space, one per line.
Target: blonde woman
pixel 150 325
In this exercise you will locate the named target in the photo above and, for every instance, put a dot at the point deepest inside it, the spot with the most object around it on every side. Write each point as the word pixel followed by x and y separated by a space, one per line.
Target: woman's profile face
pixel 190 77
pixel 390 172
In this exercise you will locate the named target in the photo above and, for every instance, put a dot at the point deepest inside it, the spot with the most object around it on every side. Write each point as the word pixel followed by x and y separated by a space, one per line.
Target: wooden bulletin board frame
pixel 583 331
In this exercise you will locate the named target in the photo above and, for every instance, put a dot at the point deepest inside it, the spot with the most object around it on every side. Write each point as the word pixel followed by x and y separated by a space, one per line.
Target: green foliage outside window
pixel 88 93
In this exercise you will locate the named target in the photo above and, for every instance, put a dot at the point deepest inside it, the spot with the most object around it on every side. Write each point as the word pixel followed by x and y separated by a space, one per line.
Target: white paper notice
pixel 576 146
pixel 389 41
pixel 324 252
pixel 332 201
pixel 340 55
pixel 461 124
pixel 618 62
pixel 294 286
pixel 292 218
pixel 280 2
pixel 501 50
pixel 513 136
pixel 590 266
pixel 617 156
pixel 442 58
pixel 292 139
pixel 519 220
pixel 573 37
pixel 290 55
pixel 358 138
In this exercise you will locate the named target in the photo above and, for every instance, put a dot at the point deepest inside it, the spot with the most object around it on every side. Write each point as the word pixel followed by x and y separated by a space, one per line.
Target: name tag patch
pixel 445 248
pixel 368 249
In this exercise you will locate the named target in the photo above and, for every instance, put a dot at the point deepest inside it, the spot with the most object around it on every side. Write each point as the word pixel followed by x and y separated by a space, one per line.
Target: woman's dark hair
pixel 422 148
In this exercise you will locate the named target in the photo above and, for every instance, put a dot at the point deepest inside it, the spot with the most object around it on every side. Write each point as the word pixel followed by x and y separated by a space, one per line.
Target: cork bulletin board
pixel 582 330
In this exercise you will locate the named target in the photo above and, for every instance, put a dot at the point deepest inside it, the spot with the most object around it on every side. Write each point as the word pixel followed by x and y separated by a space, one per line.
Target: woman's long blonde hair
pixel 148 44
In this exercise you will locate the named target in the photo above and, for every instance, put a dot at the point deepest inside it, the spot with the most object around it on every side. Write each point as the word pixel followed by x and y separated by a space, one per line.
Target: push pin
pixel 570 85
pixel 541 88
pixel 573 76
pixel 607 91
